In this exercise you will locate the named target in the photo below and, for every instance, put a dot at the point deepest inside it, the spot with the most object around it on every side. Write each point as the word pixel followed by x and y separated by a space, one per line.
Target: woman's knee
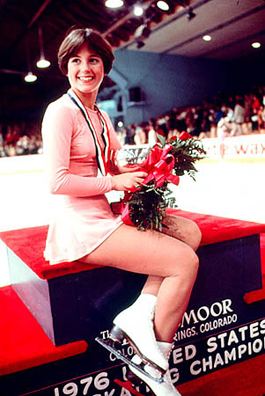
pixel 192 266
pixel 185 273
pixel 195 265
pixel 185 264
pixel 189 273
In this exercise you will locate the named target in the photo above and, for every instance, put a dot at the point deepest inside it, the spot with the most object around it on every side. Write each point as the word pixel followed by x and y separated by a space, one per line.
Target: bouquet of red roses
pixel 144 206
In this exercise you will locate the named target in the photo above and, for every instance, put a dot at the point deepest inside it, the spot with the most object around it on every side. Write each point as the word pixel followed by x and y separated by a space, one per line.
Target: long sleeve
pixel 58 131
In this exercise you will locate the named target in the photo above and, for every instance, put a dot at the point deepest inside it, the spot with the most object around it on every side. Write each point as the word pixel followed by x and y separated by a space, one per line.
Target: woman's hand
pixel 127 181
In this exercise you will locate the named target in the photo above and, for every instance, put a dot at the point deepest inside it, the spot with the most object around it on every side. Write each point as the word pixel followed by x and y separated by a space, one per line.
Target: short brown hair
pixel 94 40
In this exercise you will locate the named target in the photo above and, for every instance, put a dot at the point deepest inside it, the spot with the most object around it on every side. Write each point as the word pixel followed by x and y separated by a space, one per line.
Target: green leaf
pixel 162 140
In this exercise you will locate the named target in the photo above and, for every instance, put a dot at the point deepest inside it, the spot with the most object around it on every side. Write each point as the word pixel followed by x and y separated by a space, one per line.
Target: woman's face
pixel 85 71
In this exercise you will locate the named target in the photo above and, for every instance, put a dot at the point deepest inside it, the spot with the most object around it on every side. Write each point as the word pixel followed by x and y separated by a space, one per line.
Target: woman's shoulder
pixel 62 109
pixel 62 103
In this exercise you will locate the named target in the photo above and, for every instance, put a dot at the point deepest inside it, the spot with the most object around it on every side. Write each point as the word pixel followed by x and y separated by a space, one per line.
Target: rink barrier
pixel 224 322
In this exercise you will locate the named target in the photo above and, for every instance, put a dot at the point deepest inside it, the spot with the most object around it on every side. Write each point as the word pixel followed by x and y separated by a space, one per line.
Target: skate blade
pixel 108 344
pixel 118 335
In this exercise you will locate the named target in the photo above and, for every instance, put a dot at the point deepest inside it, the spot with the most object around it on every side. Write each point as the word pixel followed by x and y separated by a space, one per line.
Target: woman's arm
pixel 57 132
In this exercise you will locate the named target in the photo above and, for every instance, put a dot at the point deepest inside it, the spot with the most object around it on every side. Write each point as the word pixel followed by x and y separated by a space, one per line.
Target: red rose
pixel 185 136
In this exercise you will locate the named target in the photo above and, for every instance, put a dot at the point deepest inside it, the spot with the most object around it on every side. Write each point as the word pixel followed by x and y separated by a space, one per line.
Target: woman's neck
pixel 88 100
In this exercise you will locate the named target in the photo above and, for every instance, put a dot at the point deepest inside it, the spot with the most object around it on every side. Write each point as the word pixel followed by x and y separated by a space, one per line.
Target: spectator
pixel 140 136
pixel 224 127
pixel 130 133
pixel 238 117
pixel 247 112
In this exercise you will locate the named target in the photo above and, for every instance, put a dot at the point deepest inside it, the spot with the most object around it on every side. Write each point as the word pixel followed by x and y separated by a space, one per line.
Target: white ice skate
pixel 135 324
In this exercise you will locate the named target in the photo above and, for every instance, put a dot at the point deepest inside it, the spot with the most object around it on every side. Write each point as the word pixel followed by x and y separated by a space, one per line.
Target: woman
pixel 78 142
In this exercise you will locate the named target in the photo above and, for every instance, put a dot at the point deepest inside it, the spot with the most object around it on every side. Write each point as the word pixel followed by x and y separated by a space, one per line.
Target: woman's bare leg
pixel 188 232
pixel 182 229
pixel 153 253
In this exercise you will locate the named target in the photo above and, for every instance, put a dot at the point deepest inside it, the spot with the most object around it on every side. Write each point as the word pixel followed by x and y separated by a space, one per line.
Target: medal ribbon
pixel 102 155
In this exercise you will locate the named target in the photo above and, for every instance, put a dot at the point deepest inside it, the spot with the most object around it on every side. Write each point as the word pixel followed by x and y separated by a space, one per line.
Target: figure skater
pixel 79 141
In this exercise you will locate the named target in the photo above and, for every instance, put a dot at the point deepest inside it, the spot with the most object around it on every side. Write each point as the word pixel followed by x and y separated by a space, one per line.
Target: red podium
pixel 51 314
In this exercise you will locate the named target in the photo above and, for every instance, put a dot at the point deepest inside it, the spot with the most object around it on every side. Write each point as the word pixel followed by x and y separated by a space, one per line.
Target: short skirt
pixel 78 226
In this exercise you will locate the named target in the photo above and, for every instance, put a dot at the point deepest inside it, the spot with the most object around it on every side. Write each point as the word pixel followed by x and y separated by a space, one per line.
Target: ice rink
pixel 231 188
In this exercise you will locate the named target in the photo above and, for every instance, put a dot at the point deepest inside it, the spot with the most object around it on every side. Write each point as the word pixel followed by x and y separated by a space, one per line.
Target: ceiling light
pixel 256 44
pixel 138 10
pixel 42 62
pixel 30 77
pixel 163 5
pixel 207 37
pixel 113 3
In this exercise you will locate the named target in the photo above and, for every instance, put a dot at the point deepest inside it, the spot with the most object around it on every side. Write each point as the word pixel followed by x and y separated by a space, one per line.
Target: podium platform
pixel 69 305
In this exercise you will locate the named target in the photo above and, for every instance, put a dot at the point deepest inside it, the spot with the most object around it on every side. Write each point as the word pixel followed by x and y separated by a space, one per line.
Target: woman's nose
pixel 86 65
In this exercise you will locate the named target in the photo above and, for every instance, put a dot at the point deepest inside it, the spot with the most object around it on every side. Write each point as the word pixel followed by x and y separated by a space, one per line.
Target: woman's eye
pixel 75 60
pixel 94 60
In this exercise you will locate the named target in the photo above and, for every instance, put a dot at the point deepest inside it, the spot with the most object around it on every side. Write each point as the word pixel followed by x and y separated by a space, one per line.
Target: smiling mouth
pixel 88 78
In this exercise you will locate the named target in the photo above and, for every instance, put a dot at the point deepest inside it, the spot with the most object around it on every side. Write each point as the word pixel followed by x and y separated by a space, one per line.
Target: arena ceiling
pixel 25 26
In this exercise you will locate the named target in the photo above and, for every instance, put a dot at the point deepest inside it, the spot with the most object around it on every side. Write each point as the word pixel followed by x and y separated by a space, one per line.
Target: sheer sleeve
pixel 57 133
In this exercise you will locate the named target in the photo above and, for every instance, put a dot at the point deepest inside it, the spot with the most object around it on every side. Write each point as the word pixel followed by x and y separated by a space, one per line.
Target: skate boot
pixel 164 388
pixel 135 324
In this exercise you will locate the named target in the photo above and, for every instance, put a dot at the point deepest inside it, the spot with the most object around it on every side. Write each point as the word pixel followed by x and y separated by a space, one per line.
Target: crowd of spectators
pixel 20 139
pixel 220 117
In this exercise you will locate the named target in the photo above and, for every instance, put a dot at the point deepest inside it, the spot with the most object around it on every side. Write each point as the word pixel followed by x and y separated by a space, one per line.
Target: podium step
pixel 77 302
pixel 23 343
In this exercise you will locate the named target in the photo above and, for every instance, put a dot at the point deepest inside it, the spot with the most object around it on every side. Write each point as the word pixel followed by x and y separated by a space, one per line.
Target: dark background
pixel 234 24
